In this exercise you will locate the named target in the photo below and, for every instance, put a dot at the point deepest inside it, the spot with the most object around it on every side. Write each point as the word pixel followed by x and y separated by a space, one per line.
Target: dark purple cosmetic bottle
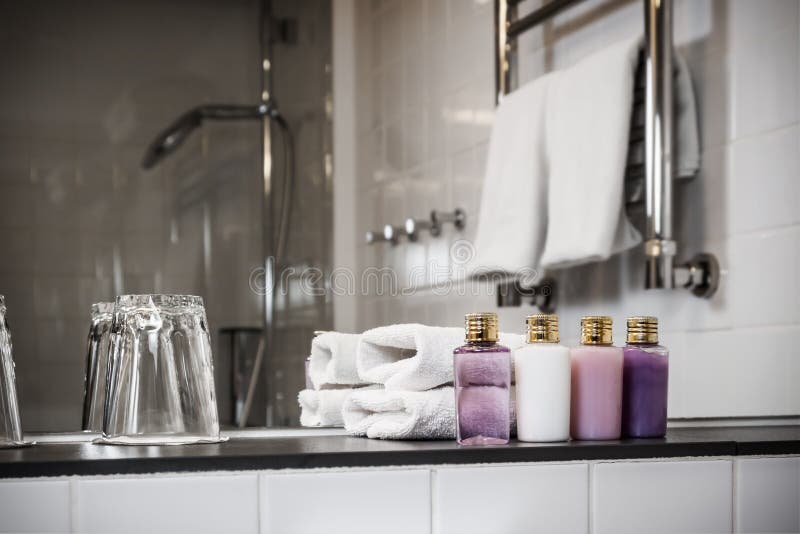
pixel 645 378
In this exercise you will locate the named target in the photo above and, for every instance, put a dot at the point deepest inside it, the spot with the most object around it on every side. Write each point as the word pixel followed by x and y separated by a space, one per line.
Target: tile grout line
pixel 258 503
pixel 733 495
pixel 73 505
pixel 589 503
pixel 433 508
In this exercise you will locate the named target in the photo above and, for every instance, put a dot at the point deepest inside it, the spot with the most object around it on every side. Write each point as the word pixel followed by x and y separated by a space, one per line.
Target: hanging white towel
pixel 588 128
pixel 588 125
pixel 687 134
pixel 333 360
pixel 413 357
pixel 512 221
pixel 383 414
pixel 322 407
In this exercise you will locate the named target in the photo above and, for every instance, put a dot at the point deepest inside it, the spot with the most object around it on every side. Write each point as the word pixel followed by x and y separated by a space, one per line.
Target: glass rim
pixel 101 308
pixel 158 301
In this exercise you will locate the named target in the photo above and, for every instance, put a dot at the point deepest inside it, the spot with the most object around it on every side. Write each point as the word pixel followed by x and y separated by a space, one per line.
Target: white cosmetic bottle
pixel 542 369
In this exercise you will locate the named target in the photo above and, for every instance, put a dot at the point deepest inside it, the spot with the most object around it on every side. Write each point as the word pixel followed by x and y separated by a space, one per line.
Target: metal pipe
pixel 660 248
pixel 268 240
pixel 501 50
pixel 547 11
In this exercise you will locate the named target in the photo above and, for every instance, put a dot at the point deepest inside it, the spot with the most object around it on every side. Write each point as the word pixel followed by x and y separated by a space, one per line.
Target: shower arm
pixel 172 137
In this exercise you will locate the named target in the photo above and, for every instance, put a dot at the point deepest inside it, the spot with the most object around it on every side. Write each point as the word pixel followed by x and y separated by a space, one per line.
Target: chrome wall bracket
pixel 542 295
pixel 700 275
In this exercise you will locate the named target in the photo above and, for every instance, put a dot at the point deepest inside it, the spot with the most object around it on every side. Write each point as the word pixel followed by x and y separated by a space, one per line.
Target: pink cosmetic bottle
pixel 596 392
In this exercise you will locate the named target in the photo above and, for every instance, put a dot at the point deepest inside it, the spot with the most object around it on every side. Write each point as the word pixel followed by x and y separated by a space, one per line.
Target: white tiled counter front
pixel 673 495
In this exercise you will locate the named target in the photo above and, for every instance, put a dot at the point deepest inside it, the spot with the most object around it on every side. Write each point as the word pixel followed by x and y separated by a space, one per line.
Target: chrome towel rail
pixel 701 273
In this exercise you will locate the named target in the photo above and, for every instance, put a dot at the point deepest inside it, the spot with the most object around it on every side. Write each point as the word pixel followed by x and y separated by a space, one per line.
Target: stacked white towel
pixel 333 360
pixel 408 367
pixel 413 357
pixel 322 407
pixel 383 414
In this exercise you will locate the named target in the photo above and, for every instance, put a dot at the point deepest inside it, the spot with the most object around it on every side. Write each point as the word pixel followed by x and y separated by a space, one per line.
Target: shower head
pixel 170 139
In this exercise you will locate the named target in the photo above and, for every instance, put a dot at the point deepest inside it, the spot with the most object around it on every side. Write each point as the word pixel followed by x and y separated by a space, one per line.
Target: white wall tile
pixel 668 497
pixel 764 266
pixel 34 506
pixel 767 495
pixel 213 504
pixel 765 65
pixel 766 191
pixel 354 502
pixel 517 499
pixel 753 370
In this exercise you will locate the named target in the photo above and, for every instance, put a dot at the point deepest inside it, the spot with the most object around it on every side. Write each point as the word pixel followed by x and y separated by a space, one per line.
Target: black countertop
pixel 56 459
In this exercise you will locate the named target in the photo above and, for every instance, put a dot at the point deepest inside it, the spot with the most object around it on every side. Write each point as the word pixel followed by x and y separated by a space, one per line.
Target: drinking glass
pixel 160 385
pixel 10 427
pixel 94 392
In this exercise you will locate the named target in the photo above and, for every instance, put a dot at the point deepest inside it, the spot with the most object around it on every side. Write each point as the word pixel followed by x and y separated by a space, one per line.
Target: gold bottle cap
pixel 481 327
pixel 642 330
pixel 596 330
pixel 542 328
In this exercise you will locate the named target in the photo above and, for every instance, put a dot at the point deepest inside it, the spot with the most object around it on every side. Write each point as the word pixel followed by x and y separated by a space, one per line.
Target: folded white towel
pixel 333 360
pixel 322 407
pixel 413 357
pixel 383 414
pixel 401 414
pixel 588 125
pixel 514 185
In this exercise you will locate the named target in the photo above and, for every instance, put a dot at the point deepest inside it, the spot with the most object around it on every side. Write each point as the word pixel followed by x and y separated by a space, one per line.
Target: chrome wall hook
pixel 414 226
pixel 458 217
pixel 382 236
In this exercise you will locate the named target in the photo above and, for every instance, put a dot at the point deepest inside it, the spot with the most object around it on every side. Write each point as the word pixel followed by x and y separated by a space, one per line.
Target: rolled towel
pixel 333 360
pixel 383 414
pixel 413 357
pixel 322 407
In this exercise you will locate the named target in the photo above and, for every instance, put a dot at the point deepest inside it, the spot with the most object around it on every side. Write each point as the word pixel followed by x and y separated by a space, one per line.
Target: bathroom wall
pixel 86 86
pixel 424 78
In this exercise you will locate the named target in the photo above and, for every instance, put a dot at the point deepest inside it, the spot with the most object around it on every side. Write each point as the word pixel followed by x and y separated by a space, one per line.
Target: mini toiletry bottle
pixel 596 382
pixel 542 370
pixel 482 379
pixel 645 376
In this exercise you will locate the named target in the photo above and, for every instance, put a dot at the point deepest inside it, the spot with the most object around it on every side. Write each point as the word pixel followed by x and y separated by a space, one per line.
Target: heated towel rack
pixel 700 274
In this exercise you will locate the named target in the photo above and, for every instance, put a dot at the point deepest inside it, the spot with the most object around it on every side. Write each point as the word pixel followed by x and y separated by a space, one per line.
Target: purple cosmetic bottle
pixel 482 379
pixel 645 376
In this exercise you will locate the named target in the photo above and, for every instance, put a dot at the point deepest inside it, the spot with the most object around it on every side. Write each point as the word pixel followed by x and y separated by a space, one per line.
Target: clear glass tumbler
pixel 98 343
pixel 10 427
pixel 160 373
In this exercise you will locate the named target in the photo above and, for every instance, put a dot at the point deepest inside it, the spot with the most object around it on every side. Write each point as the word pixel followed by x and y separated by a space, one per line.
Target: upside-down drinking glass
pixel 94 393
pixel 10 427
pixel 161 376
